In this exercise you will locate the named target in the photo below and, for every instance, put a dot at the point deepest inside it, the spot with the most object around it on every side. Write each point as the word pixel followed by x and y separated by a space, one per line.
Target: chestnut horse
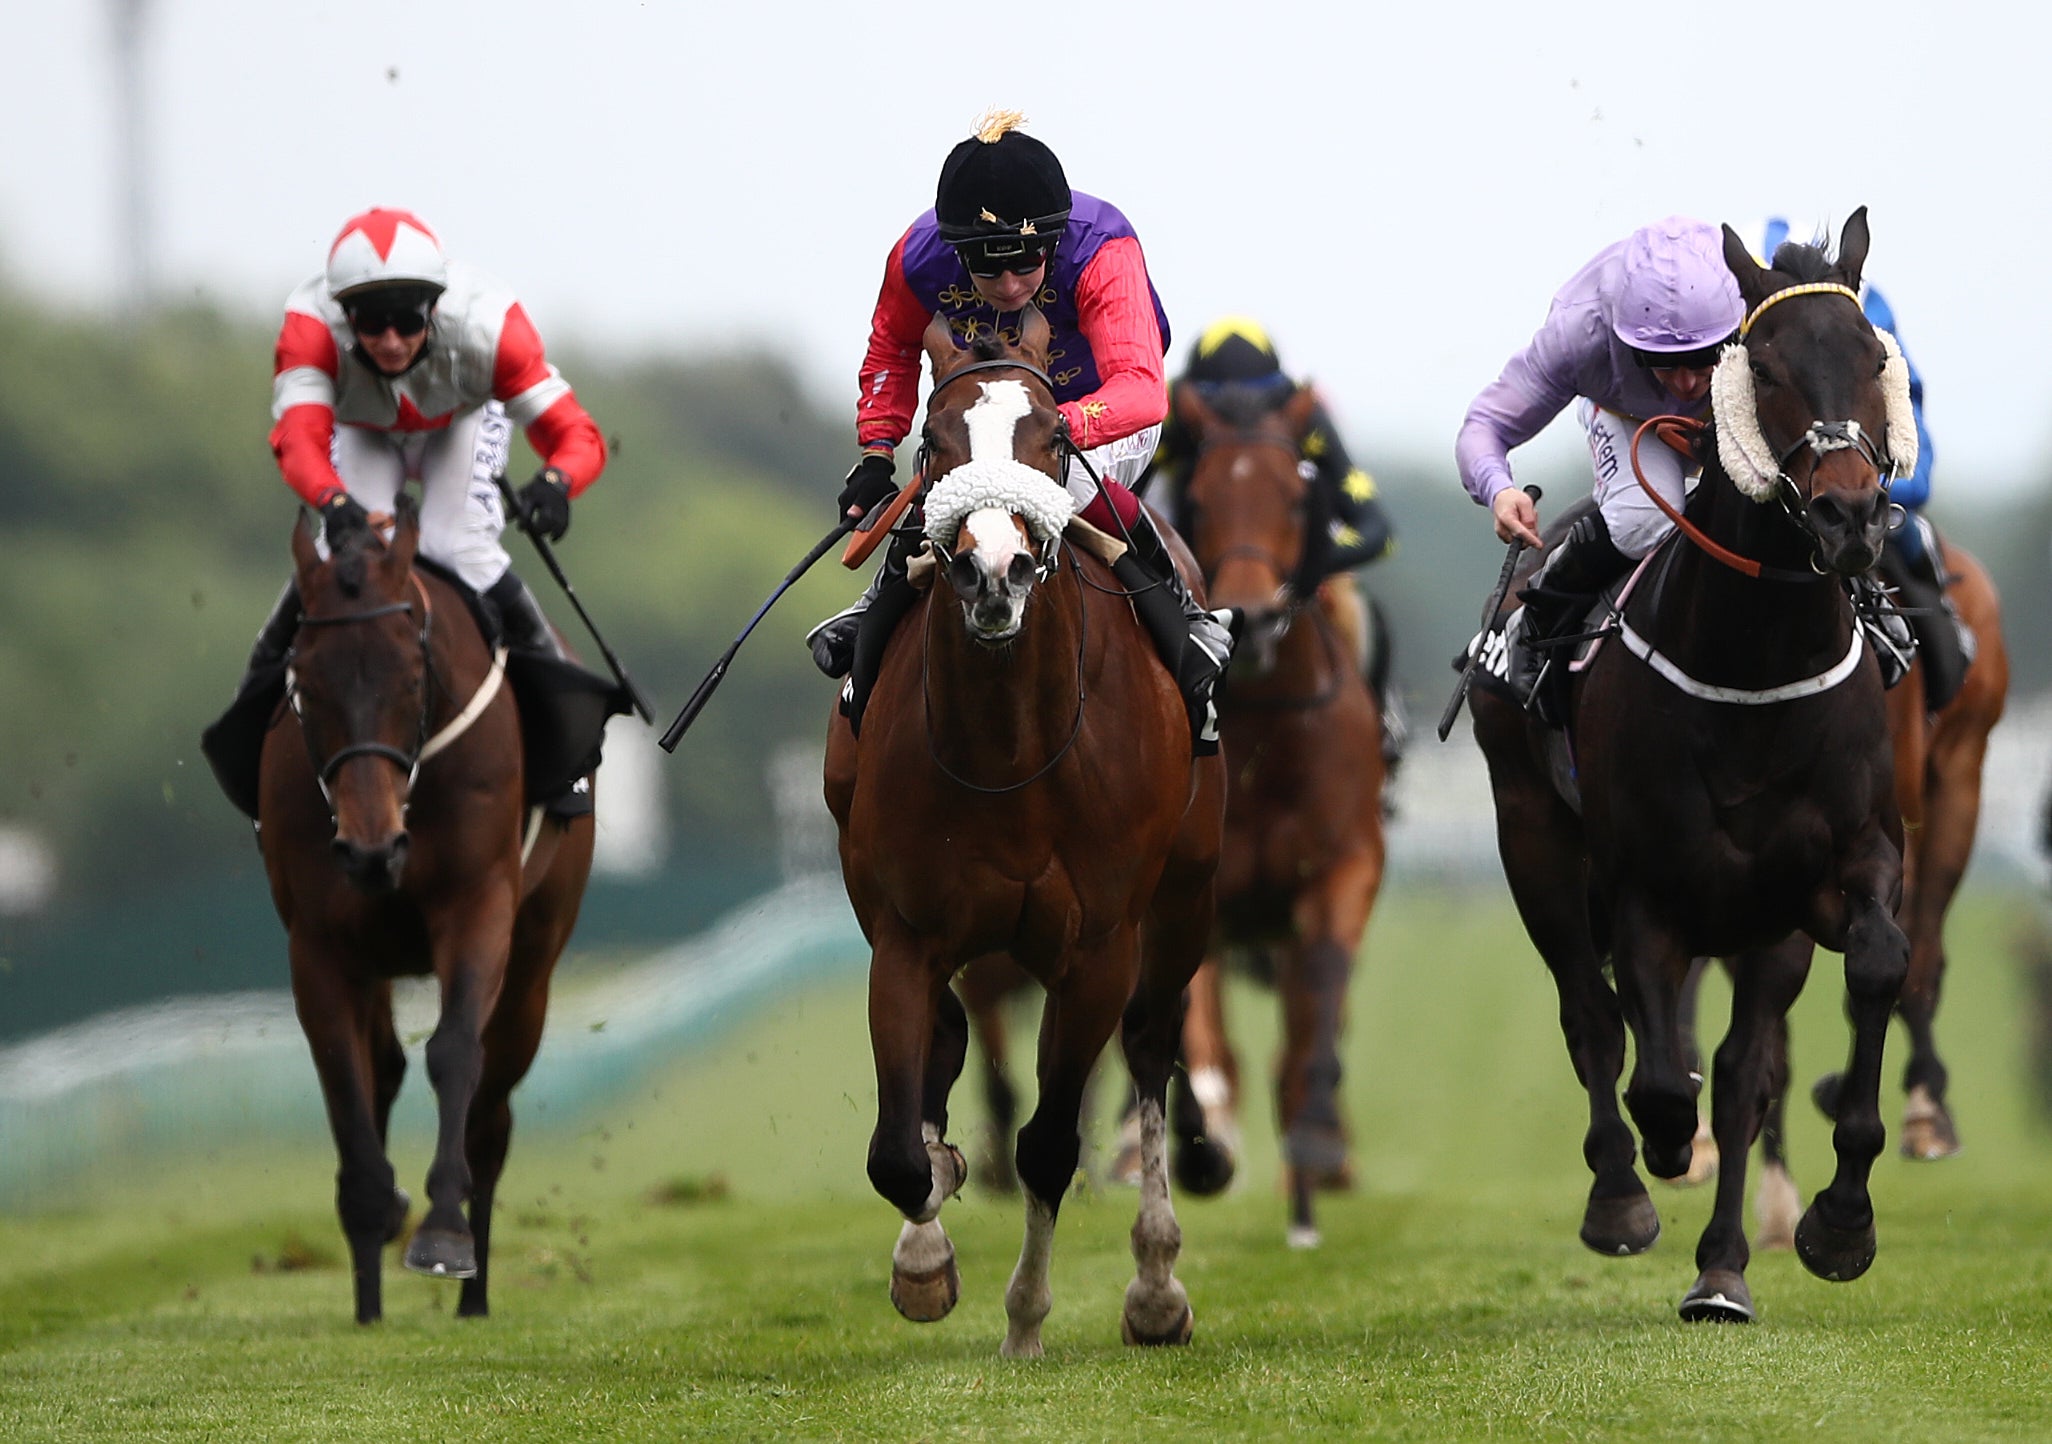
pixel 390 818
pixel 1727 782
pixel 1023 784
pixel 1303 845
pixel 1938 761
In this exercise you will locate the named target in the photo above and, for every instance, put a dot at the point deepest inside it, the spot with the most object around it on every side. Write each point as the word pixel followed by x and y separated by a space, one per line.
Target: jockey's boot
pixel 1195 644
pixel 870 622
pixel 521 624
pixel 833 640
pixel 1581 566
pixel 273 641
pixel 1947 644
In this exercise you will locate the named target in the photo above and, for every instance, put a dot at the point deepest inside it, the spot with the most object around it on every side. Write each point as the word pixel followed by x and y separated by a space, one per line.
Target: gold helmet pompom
pixel 994 124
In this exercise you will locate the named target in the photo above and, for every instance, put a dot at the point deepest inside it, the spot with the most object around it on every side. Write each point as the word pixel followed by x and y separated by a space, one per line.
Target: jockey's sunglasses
pixel 375 318
pixel 1004 257
pixel 1704 359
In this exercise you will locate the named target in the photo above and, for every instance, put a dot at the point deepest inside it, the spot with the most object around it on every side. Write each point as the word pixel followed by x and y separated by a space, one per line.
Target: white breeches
pixel 1636 524
pixel 461 515
pixel 1121 461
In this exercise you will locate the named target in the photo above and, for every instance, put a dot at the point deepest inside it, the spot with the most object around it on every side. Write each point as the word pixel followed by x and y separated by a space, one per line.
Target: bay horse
pixel 1303 854
pixel 1023 784
pixel 1938 758
pixel 1726 786
pixel 390 817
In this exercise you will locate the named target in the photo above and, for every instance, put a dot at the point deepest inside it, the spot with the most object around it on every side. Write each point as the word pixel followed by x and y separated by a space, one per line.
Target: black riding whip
pixel 699 698
pixel 548 556
pixel 1510 564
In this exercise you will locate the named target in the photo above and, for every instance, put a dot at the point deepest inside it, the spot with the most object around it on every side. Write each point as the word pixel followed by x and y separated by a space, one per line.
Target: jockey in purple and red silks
pixel 1007 232
pixel 1635 333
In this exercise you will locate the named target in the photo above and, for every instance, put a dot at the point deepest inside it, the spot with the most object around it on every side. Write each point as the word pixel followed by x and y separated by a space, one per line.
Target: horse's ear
pixel 1191 409
pixel 1299 411
pixel 305 556
pixel 1752 279
pixel 1852 248
pixel 1035 336
pixel 942 354
pixel 405 535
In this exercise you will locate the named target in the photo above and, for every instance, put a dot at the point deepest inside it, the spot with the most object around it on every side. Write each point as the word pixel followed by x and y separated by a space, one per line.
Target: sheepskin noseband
pixel 993 478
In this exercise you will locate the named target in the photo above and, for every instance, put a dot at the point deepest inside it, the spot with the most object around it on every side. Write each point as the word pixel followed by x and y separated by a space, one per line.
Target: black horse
pixel 1726 785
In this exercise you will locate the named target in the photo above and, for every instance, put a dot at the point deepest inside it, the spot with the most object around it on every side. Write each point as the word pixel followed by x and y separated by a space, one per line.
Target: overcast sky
pixel 1397 191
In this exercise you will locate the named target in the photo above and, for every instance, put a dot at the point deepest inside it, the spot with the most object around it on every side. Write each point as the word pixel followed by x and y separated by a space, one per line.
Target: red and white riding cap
pixel 384 247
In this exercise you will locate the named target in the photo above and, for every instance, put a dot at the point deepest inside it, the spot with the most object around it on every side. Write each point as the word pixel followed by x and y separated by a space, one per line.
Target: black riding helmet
pixel 1002 200
pixel 1233 348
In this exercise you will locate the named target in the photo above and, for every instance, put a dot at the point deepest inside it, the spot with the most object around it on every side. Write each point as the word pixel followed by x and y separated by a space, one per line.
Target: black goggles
pixel 1005 255
pixel 1702 359
pixel 375 318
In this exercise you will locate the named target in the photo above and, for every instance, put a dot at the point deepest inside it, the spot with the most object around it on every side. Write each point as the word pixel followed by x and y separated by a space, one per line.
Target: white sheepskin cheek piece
pixel 1002 485
pixel 1895 395
pixel 1741 448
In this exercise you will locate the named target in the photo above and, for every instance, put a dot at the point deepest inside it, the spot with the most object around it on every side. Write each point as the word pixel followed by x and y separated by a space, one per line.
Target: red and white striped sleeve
pixel 1115 312
pixel 541 402
pixel 306 364
pixel 890 368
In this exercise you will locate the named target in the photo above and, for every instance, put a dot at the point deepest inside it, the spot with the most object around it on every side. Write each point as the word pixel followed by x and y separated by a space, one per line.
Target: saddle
pixel 563 710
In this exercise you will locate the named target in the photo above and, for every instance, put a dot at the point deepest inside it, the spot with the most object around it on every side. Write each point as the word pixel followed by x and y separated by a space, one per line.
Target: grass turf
pixel 703 1258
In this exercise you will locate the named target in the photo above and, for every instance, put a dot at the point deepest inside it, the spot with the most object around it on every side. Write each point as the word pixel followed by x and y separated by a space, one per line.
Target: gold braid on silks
pixel 1742 448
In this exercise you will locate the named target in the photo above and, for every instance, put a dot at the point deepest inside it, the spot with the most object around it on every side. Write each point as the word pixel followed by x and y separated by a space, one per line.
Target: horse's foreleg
pixel 1836 1236
pixel 1207 1104
pixel 1157 1308
pixel 341 1019
pixel 1766 983
pixel 510 1044
pixel 983 1001
pixel 1776 1203
pixel 1080 1014
pixel 1651 963
pixel 910 1162
pixel 1952 810
pixel 470 962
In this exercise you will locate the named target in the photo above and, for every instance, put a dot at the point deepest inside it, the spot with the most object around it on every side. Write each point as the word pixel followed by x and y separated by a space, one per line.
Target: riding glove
pixel 545 502
pixel 868 483
pixel 342 514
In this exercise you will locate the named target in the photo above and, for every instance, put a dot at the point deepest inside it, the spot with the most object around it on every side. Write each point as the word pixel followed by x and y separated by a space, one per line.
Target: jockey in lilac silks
pixel 1007 232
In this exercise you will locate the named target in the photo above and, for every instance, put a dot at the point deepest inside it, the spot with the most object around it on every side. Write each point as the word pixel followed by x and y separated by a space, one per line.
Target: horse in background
pixel 1303 855
pixel 1023 784
pixel 391 815
pixel 1727 781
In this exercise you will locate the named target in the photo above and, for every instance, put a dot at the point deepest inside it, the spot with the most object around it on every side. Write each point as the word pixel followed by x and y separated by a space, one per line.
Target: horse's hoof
pixel 1202 1168
pixel 1830 1252
pixel 1703 1159
pixel 928 1296
pixel 1621 1226
pixel 1824 1093
pixel 1178 1331
pixel 1304 1235
pixel 395 1221
pixel 1719 1297
pixel 1927 1132
pixel 442 1253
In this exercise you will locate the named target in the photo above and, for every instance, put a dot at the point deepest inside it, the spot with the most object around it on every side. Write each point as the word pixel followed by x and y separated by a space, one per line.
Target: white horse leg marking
pixel 1214 1094
pixel 1027 1296
pixel 947 1174
pixel 922 1248
pixel 1157 1308
pixel 1776 1206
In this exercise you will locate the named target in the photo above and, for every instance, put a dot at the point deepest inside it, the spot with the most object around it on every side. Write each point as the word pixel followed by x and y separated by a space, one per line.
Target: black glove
pixel 545 503
pixel 341 515
pixel 867 484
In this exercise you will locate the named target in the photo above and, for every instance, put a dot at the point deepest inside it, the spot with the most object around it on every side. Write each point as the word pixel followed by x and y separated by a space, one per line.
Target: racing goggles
pixel 1704 358
pixel 989 256
pixel 374 318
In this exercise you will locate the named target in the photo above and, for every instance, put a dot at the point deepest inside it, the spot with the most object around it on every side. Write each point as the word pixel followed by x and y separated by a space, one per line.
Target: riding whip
pixel 703 695
pixel 1503 581
pixel 548 556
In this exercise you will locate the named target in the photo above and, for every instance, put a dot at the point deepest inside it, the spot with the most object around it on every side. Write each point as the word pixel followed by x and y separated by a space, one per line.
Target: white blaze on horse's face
pixel 994 566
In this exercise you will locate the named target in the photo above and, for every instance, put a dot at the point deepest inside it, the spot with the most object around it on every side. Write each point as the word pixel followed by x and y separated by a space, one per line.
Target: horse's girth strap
pixel 472 710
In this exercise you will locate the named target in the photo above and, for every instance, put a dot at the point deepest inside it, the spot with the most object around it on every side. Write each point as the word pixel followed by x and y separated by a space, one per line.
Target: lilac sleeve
pixel 1536 385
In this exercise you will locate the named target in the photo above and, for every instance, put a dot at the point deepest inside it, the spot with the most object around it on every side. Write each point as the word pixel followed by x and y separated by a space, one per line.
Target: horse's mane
pixel 1803 260
pixel 1246 403
pixel 352 563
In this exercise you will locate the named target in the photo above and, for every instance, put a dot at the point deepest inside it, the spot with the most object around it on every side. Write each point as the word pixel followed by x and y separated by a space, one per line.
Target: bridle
pixel 425 747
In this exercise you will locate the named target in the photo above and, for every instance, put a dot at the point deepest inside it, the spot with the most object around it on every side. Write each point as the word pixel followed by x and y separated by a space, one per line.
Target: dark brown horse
pixel 1728 783
pixel 391 819
pixel 1938 761
pixel 1303 849
pixel 1023 784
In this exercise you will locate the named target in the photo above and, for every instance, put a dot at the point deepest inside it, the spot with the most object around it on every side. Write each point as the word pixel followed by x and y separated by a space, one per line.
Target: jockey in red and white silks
pixel 346 425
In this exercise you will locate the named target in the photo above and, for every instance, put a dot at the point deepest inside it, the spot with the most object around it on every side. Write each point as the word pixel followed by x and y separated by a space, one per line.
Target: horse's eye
pixel 1761 376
